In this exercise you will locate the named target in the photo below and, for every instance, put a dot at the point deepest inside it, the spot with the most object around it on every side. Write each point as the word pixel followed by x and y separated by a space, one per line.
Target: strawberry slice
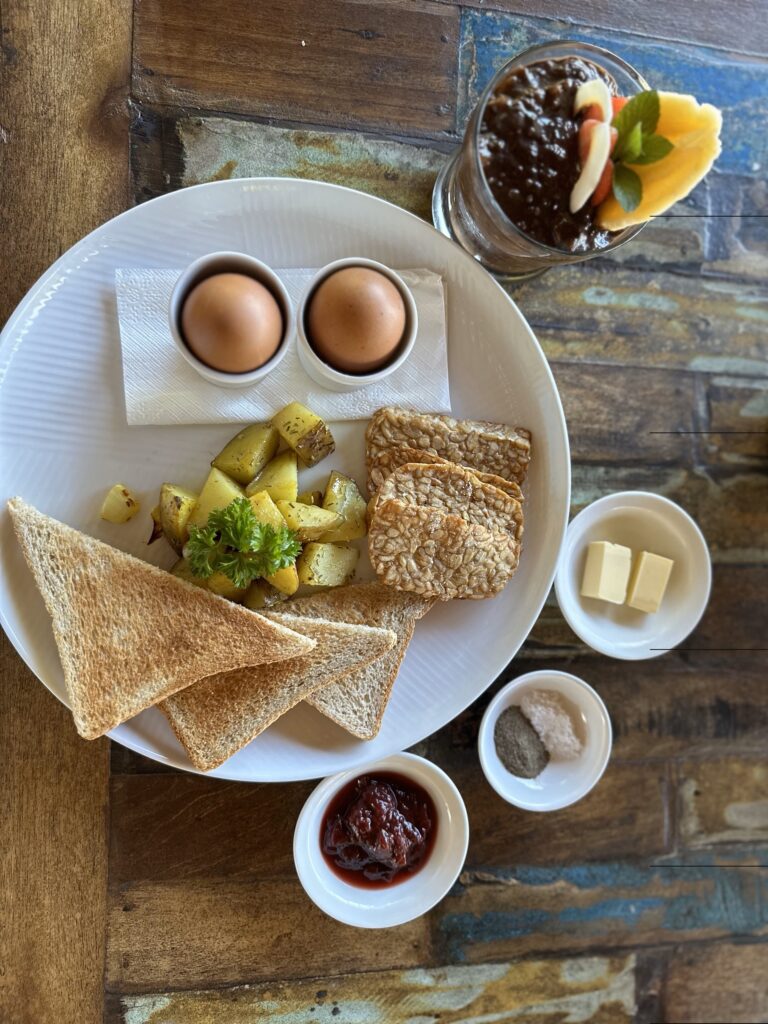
pixel 618 103
pixel 585 137
pixel 594 112
pixel 604 185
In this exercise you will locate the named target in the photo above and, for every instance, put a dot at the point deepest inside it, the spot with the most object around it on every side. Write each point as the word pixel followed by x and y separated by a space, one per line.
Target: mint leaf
pixel 655 147
pixel 629 146
pixel 642 109
pixel 627 187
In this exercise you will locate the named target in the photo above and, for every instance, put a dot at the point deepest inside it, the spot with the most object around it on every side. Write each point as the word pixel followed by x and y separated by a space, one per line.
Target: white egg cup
pixel 230 263
pixel 385 906
pixel 325 374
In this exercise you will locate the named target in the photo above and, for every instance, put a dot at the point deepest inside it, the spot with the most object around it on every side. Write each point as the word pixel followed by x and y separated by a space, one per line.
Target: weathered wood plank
pixel 723 801
pixel 721 982
pixel 624 817
pixel 738 410
pixel 385 65
pixel 53 861
pixel 626 415
pixel 64 71
pixel 600 990
pixel 612 314
pixel 489 38
pixel 182 827
pixel 47 136
pixel 713 23
pixel 401 173
pixel 225 932
pixel 493 916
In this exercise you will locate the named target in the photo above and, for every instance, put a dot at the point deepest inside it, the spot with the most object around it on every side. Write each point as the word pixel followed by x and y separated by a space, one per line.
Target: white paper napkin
pixel 161 388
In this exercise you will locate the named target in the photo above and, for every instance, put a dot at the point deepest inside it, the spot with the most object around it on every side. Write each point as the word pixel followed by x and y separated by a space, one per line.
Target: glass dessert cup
pixel 463 205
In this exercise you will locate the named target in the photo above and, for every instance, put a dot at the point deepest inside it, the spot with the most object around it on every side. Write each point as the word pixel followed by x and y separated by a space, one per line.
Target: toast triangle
pixel 218 716
pixel 129 634
pixel 358 701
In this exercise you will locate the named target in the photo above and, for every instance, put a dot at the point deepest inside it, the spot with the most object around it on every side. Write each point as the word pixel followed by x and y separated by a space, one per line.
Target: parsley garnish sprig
pixel 637 143
pixel 235 543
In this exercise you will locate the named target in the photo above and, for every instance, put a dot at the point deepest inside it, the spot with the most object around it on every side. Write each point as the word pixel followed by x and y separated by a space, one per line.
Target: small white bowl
pixel 642 521
pixel 561 783
pixel 230 263
pixel 324 374
pixel 384 907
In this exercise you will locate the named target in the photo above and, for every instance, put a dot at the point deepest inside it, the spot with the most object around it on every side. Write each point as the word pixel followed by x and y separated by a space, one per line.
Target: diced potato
pixel 327 565
pixel 279 478
pixel 218 491
pixel 157 528
pixel 311 498
pixel 176 507
pixel 308 521
pixel 305 432
pixel 218 583
pixel 119 505
pixel 285 580
pixel 261 594
pixel 248 452
pixel 343 497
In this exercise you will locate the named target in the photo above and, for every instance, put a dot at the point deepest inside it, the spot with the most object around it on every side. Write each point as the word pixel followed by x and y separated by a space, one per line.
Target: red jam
pixel 378 830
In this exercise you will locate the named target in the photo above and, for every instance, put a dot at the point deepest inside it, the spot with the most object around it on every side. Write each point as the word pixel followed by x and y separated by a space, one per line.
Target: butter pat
pixel 649 581
pixel 606 573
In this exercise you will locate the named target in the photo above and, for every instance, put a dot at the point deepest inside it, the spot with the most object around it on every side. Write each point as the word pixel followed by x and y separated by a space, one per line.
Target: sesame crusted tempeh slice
pixel 388 461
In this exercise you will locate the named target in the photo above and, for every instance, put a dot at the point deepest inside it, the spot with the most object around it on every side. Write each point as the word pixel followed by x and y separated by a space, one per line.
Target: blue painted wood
pixel 737 85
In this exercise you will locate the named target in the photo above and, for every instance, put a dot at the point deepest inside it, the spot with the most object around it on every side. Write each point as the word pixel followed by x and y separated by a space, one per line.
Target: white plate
pixel 561 783
pixel 641 521
pixel 64 440
pixel 387 906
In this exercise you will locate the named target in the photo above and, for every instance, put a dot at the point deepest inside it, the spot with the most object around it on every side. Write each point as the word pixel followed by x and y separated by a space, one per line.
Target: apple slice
pixel 594 92
pixel 598 134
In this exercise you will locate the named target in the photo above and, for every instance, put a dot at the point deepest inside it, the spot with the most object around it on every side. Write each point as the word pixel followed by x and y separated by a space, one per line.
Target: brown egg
pixel 356 320
pixel 232 323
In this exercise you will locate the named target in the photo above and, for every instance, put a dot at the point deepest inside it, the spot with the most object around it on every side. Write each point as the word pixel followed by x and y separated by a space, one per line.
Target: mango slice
pixel 694 130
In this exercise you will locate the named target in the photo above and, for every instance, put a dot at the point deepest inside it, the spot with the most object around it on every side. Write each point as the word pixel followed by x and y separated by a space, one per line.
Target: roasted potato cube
pixel 285 580
pixel 279 478
pixel 157 527
pixel 311 498
pixel 305 432
pixel 218 583
pixel 218 491
pixel 248 452
pixel 327 565
pixel 343 497
pixel 261 594
pixel 307 521
pixel 119 505
pixel 176 507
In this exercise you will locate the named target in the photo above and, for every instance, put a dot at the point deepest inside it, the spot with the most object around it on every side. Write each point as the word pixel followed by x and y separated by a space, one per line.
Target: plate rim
pixel 32 296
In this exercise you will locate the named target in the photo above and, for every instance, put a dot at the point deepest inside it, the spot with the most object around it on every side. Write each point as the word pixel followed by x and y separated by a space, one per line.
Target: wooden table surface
pixel 138 894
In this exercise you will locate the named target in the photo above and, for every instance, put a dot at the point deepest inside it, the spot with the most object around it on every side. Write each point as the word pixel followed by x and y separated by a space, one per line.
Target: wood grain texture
pixel 53 856
pixel 597 989
pixel 64 76
pixel 713 23
pixel 351 64
pixel 495 915
pixel 220 932
pixel 721 982
pixel 64 72
pixel 723 802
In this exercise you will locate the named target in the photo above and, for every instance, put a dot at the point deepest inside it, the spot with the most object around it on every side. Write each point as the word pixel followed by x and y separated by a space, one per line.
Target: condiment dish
pixel 385 906
pixel 641 521
pixel 238 263
pixel 561 783
pixel 325 374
